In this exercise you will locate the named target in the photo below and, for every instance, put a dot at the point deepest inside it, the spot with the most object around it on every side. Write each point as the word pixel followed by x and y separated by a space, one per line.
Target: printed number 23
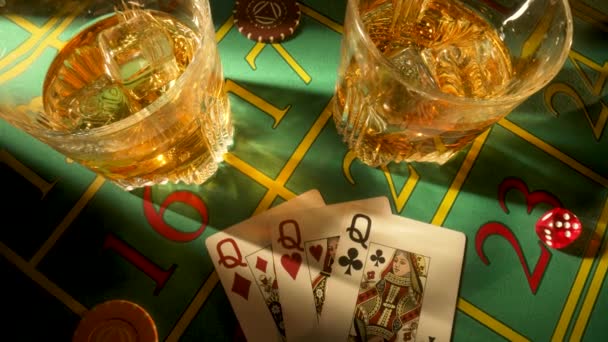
pixel 495 228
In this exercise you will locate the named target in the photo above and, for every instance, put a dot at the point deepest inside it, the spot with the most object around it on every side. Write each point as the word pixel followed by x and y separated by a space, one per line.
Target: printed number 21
pixel 494 228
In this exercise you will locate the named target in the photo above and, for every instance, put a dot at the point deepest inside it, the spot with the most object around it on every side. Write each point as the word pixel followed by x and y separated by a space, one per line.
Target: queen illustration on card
pixel 319 281
pixel 390 295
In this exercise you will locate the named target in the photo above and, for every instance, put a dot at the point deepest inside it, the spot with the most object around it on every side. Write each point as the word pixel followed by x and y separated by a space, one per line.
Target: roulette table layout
pixel 71 241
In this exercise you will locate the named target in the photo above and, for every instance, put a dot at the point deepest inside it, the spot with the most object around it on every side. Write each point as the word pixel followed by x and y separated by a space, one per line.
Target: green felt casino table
pixel 70 240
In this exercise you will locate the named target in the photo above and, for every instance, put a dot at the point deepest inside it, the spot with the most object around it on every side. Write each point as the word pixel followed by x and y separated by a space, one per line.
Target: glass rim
pixel 149 110
pixel 353 12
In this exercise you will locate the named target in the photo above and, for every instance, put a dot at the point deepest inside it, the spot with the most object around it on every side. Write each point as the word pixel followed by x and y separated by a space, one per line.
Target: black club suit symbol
pixel 351 260
pixel 378 258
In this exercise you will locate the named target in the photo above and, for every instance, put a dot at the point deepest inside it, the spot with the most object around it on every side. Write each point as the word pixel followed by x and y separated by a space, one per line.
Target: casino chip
pixel 268 21
pixel 116 321
pixel 558 228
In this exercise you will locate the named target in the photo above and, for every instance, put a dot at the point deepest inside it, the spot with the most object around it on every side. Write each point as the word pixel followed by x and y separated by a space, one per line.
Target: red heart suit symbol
pixel 316 251
pixel 291 264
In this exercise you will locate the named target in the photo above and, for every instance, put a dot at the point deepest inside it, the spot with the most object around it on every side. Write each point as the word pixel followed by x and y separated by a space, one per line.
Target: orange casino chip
pixel 115 321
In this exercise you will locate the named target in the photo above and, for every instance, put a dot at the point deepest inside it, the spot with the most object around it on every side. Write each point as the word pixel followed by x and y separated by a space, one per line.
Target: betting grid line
pixel 407 189
pixel 67 221
pixel 498 327
pixel 29 268
pixel 193 308
pixel 223 30
pixel 36 34
pixel 463 172
pixel 321 18
pixel 539 33
pixel 444 208
pixel 347 162
pixel 26 172
pixel 49 40
pixel 295 158
pixel 304 76
pixel 561 156
pixel 295 66
pixel 268 108
pixel 591 250
pixel 254 53
pixel 42 280
pixel 596 282
pixel 580 280
pixel 257 175
pixel 29 26
pixel 589 14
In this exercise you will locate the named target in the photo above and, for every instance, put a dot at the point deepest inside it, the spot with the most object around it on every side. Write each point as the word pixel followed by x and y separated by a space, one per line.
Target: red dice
pixel 558 228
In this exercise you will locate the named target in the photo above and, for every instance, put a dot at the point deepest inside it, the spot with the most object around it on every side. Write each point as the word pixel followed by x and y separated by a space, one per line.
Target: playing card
pixel 394 279
pixel 242 257
pixel 303 243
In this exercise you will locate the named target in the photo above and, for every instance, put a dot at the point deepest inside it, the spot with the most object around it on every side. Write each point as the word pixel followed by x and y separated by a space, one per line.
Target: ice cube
pixel 409 62
pixel 472 67
pixel 138 54
pixel 97 104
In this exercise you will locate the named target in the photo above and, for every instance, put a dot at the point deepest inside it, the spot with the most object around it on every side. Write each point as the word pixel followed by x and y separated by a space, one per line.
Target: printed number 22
pixel 494 228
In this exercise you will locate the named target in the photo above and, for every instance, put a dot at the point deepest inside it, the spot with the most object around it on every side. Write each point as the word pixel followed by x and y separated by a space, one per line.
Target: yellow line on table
pixel 536 38
pixel 30 42
pixel 589 14
pixel 42 280
pixel 193 308
pixel 28 26
pixel 304 146
pixel 49 40
pixel 295 159
pixel 22 49
pixel 596 281
pixel 461 176
pixel 256 175
pixel 321 18
pixel 223 30
pixel 56 43
pixel 564 158
pixel 407 189
pixel 27 173
pixel 253 54
pixel 489 321
pixel 67 221
pixel 292 63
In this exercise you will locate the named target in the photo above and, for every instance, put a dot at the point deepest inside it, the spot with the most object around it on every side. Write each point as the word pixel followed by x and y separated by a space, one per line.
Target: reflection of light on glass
pixel 161 159
pixel 519 12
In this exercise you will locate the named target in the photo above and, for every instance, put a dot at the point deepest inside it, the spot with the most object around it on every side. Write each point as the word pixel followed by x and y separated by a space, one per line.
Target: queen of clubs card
pixel 389 309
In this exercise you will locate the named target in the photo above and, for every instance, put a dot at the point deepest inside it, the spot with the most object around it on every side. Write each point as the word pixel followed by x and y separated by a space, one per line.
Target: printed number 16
pixel 495 228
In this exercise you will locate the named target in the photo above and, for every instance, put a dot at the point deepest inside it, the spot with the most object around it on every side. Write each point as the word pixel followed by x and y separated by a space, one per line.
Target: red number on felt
pixel 140 261
pixel 533 199
pixel 494 228
pixel 160 226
